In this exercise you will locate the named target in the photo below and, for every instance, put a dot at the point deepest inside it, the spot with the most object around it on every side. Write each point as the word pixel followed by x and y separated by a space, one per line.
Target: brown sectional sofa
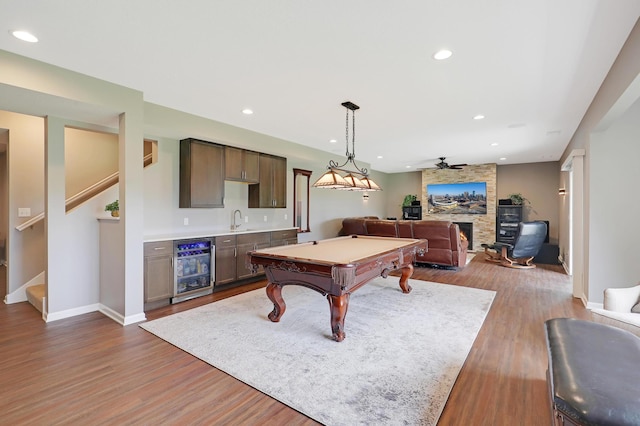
pixel 445 246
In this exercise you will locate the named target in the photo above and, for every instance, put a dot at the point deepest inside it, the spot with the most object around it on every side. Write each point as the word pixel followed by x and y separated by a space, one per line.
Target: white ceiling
pixel 531 67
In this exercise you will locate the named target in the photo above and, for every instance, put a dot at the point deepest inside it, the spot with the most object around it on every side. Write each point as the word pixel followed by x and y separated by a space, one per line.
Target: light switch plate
pixel 186 221
pixel 24 212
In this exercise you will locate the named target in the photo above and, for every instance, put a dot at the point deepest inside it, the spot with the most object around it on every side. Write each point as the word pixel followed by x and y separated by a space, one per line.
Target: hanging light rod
pixel 354 180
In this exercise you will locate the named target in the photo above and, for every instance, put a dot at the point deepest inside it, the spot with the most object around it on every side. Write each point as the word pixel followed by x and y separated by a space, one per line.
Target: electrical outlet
pixel 186 221
pixel 246 219
pixel 24 212
pixel 285 216
pixel 265 218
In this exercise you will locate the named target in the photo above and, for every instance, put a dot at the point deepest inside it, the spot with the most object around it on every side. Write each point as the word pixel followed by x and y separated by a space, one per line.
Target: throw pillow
pixel 636 308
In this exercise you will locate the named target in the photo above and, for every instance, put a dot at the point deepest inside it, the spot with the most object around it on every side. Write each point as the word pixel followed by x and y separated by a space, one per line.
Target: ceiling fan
pixel 444 165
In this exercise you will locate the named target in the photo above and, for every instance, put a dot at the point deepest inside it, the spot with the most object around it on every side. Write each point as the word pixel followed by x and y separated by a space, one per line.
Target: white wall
pixel 621 83
pixel 88 157
pixel 25 250
pixel 43 90
pixel 613 242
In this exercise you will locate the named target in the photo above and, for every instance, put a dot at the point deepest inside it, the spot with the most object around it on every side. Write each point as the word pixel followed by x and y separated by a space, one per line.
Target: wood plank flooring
pixel 88 370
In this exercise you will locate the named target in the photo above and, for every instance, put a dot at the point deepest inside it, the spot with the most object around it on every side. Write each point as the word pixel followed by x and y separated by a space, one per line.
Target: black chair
pixel 526 245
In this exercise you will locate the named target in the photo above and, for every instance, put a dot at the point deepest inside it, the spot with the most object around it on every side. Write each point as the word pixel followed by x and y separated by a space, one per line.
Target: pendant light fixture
pixel 354 180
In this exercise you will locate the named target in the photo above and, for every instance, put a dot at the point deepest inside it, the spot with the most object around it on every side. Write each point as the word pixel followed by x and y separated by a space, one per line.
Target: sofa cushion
pixel 382 228
pixel 624 320
pixel 436 232
pixel 405 228
pixel 353 226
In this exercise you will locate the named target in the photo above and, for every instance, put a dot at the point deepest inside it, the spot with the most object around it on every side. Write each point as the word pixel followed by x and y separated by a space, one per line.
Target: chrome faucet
pixel 233 224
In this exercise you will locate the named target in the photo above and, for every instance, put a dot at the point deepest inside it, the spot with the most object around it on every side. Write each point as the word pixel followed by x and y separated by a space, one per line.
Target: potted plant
pixel 408 200
pixel 114 208
pixel 517 199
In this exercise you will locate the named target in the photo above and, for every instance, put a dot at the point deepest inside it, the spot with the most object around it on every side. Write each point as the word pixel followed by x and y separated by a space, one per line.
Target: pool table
pixel 335 267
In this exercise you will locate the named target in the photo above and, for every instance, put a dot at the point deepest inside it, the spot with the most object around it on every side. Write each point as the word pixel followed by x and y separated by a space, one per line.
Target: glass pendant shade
pixel 371 185
pixel 355 183
pixel 331 180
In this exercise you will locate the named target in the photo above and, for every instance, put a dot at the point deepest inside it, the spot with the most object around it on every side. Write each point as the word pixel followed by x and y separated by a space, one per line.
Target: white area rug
pixel 397 365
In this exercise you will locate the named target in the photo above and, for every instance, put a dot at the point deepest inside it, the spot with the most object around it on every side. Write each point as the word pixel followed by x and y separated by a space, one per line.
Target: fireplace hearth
pixel 467 229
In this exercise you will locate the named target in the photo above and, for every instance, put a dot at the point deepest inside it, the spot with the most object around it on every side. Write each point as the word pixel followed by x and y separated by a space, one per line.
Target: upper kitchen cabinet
pixel 201 174
pixel 241 165
pixel 271 192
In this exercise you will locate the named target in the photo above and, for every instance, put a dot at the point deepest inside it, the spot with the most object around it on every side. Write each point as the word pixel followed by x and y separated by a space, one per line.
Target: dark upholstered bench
pixel 594 373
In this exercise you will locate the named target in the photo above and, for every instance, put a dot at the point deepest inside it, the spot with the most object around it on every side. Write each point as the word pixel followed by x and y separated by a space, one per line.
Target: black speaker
pixel 505 202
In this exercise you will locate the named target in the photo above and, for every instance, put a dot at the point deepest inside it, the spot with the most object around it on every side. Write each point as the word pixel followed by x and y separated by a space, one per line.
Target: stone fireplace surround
pixel 484 226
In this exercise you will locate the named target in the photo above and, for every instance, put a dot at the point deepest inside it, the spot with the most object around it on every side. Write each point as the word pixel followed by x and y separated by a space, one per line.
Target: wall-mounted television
pixel 457 198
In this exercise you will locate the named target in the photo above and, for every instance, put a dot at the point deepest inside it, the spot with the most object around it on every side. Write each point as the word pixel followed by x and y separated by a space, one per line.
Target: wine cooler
pixel 194 262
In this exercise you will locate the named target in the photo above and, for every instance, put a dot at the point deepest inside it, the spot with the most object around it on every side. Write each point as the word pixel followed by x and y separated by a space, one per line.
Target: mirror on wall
pixel 301 180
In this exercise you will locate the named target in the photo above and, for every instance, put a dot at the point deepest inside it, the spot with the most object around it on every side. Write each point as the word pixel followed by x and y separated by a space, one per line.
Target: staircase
pixel 36 293
pixel 35 296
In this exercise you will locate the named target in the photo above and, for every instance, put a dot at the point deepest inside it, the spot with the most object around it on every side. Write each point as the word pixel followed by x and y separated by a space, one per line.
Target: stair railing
pixel 84 195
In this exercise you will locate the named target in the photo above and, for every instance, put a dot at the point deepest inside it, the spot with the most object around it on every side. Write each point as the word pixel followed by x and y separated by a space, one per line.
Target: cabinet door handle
pixel 159 248
pixel 235 252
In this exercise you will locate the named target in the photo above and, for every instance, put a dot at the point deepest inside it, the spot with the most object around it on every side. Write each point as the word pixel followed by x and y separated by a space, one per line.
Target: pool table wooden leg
pixel 274 293
pixel 338 305
pixel 407 271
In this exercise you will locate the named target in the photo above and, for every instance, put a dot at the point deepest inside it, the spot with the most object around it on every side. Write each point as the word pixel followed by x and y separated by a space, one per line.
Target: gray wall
pixel 401 184
pixel 162 215
pixel 538 183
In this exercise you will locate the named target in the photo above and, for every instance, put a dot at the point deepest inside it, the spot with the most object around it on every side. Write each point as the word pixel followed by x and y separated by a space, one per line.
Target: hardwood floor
pixel 89 370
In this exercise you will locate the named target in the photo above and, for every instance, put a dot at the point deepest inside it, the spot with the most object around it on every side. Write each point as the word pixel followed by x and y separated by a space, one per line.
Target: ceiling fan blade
pixel 457 166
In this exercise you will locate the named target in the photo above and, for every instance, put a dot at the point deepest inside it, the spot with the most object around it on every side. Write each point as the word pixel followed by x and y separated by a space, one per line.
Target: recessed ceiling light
pixel 478 117
pixel 495 144
pixel 24 36
pixel 407 167
pixel 442 54
pixel 503 158
pixel 379 156
pixel 333 141
pixel 247 111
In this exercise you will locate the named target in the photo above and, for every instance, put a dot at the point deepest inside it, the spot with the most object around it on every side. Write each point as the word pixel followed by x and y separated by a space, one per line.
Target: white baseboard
pixel 55 316
pixel 592 305
pixel 105 310
pixel 119 318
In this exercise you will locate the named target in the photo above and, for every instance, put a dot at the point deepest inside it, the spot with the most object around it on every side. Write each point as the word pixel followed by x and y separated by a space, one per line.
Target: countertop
pixel 183 235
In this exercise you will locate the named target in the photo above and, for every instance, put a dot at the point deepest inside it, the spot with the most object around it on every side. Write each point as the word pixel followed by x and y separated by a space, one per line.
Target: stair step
pixel 35 295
